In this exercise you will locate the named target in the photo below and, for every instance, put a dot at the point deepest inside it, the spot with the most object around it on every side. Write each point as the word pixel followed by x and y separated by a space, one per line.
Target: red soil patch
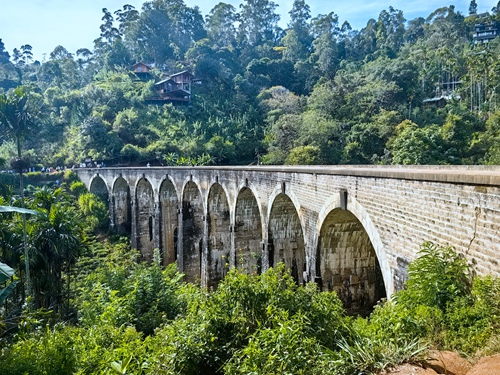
pixel 448 363
pixel 487 366
pixel 408 369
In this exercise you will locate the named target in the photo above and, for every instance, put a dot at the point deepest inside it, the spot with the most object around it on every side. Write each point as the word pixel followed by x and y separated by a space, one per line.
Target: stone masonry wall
pixel 398 207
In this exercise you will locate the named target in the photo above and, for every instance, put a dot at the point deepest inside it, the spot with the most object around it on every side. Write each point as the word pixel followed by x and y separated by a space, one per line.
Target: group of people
pixel 59 169
pixel 49 169
pixel 90 164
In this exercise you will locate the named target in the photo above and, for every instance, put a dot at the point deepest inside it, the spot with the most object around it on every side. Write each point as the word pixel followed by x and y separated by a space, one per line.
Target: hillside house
pixel 438 101
pixel 446 90
pixel 485 28
pixel 485 32
pixel 176 88
pixel 142 71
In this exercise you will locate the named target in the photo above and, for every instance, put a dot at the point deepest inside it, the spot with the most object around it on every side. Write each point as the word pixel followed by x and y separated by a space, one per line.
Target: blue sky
pixel 45 24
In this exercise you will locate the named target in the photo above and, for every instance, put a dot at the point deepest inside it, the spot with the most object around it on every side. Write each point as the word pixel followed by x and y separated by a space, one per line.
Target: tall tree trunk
pixel 25 240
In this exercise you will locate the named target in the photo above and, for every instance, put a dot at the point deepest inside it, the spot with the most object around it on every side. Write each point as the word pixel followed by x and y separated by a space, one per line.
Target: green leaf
pixel 6 272
pixel 117 366
pixel 17 209
pixel 6 291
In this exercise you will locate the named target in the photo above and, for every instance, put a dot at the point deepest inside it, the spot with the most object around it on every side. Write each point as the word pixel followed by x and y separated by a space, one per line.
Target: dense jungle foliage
pixel 95 309
pixel 317 92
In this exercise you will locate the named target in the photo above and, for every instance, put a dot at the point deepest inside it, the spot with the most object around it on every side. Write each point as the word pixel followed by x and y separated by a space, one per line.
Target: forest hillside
pixel 398 91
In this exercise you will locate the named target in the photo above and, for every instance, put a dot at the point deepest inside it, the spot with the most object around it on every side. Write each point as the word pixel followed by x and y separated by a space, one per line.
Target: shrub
pixel 303 155
pixel 47 352
pixel 142 295
pixel 244 308
pixel 367 355
pixel 70 176
pixel 140 319
pixel 97 347
pixel 437 277
pixel 398 321
pixel 78 188
pixel 94 210
pixel 34 177
pixel 286 348
pixel 472 321
pixel 442 305
pixel 153 298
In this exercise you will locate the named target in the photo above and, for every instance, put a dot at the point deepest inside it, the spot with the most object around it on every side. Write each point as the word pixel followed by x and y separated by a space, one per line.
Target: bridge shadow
pixel 286 238
pixel 347 264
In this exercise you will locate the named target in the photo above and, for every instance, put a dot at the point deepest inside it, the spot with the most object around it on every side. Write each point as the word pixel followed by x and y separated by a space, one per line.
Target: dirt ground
pixel 449 363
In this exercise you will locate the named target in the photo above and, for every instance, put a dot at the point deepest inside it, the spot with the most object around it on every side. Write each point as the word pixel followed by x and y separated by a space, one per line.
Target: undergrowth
pixel 141 319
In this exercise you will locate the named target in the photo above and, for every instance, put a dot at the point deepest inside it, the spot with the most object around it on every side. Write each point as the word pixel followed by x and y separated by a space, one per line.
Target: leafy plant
pixel 437 277
pixel 370 355
pixel 94 210
pixel 48 351
pixel 6 273
pixel 283 348
pixel 472 321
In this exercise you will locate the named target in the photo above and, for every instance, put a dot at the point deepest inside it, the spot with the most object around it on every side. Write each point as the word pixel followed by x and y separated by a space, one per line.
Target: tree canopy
pixel 397 91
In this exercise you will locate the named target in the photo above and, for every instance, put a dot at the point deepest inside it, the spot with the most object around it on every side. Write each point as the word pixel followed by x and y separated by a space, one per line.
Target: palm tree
pixel 20 112
pixel 19 115
pixel 57 235
pixel 7 241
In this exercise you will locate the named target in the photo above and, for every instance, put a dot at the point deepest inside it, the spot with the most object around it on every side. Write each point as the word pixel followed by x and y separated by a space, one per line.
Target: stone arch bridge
pixel 352 229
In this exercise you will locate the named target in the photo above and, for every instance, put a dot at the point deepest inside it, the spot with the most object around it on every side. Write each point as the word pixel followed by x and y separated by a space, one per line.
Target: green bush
pixel 437 277
pixel 70 176
pixel 243 308
pixel 153 298
pixel 286 348
pixel 303 155
pixel 370 355
pixel 72 350
pixel 34 177
pixel 441 304
pixel 97 347
pixel 47 352
pixel 95 211
pixel 78 188
pixel 398 321
pixel 468 326
pixel 142 295
pixel 139 319
pixel 473 320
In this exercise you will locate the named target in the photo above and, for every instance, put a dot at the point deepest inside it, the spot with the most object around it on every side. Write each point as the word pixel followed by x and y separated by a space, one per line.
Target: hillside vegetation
pixel 317 92
pixel 92 308
pixel 104 313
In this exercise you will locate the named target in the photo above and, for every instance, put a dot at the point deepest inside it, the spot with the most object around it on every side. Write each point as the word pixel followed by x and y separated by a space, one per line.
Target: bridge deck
pixel 460 174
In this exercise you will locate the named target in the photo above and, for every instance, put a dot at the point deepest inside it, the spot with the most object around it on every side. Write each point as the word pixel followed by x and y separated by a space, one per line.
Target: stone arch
pixel 98 187
pixel 254 189
pixel 145 218
pixel 286 237
pixel 192 232
pixel 219 234
pixel 121 206
pixel 282 189
pixel 346 261
pixel 354 207
pixel 247 232
pixel 169 219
